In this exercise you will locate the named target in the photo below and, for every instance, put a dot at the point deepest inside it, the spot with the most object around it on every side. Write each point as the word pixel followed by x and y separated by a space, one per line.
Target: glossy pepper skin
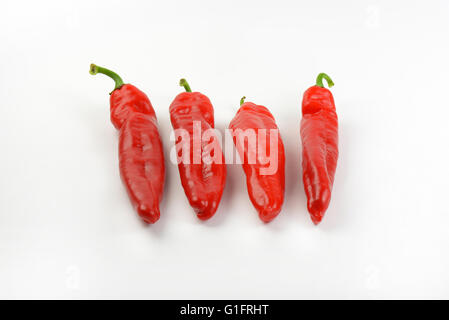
pixel 266 192
pixel 203 182
pixel 141 157
pixel 319 135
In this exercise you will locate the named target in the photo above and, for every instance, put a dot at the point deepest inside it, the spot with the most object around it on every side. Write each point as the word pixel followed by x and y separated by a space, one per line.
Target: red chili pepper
pixel 203 182
pixel 141 155
pixel 265 189
pixel 319 135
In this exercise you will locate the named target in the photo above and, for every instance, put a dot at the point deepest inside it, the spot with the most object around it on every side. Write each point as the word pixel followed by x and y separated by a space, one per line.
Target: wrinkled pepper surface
pixel 141 157
pixel 203 181
pixel 265 187
pixel 319 136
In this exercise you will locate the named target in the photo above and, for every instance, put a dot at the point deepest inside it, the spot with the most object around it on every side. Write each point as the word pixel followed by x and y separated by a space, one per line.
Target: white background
pixel 67 229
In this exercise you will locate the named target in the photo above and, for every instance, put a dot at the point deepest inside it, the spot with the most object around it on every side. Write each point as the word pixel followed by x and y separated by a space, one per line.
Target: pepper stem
pixel 319 80
pixel 242 100
pixel 183 83
pixel 94 69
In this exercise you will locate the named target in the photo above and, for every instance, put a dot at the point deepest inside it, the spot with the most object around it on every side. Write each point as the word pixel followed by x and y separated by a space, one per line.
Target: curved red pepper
pixel 319 135
pixel 203 183
pixel 141 156
pixel 265 191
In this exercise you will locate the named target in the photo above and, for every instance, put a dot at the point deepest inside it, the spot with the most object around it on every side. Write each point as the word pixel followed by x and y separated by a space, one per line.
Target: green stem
pixel 185 84
pixel 242 100
pixel 94 69
pixel 319 80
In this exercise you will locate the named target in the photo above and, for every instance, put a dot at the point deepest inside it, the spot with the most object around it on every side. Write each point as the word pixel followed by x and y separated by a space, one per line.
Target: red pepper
pixel 266 191
pixel 319 135
pixel 141 155
pixel 203 182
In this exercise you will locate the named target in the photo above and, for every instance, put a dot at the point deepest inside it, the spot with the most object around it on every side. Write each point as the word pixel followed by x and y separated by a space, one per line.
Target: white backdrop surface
pixel 67 229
